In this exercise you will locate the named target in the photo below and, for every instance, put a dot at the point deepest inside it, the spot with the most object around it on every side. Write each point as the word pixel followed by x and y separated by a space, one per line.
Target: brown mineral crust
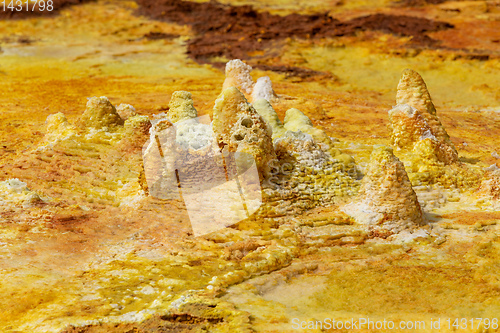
pixel 476 39
pixel 293 71
pixel 23 14
pixel 236 31
pixel 154 35
pixel 180 323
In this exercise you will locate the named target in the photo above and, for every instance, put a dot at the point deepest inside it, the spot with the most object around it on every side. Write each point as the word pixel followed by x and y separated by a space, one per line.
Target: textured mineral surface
pixel 247 165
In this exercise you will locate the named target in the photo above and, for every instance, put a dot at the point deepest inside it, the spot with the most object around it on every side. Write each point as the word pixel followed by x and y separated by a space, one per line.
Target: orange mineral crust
pixel 244 166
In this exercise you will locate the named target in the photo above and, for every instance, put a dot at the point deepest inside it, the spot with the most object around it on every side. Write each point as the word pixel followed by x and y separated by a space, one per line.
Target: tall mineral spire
pixel 412 90
pixel 263 88
pixel 415 119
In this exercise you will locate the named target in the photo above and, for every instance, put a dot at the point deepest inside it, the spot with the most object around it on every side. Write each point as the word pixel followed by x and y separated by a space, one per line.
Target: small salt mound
pixel 263 89
pixel 99 114
pixel 13 191
pixel 14 185
pixel 181 106
pixel 191 134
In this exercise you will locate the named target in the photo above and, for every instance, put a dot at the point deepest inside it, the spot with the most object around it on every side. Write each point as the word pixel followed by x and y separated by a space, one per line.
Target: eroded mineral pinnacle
pixel 181 106
pixel 239 128
pixel 238 75
pixel 57 122
pixel 58 128
pixel 126 111
pixel 136 130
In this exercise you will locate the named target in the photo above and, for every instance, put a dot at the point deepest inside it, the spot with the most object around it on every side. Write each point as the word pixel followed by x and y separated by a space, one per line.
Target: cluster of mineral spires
pixel 298 164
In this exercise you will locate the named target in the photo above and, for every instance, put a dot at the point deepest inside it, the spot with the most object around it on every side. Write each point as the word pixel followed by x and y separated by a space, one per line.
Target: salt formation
pixel 305 176
pixel 58 128
pixel 183 162
pixel 126 111
pixel 295 120
pixel 238 75
pixel 412 90
pixel 100 114
pixel 386 199
pixel 411 131
pixel 181 107
pixel 239 128
pixel 191 133
pixel 13 191
pixel 296 173
pixel 415 125
pixel 159 168
pixel 265 109
pixel 263 88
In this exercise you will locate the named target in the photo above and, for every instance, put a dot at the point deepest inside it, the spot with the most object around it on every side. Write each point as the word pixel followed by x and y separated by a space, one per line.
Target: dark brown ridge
pixel 241 31
pixel 419 3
